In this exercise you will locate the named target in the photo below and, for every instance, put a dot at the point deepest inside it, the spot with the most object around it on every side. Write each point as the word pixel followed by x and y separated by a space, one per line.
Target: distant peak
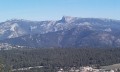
pixel 67 18
pixel 16 20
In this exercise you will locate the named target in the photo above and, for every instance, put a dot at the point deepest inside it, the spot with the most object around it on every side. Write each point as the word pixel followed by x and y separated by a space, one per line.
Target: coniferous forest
pixel 53 58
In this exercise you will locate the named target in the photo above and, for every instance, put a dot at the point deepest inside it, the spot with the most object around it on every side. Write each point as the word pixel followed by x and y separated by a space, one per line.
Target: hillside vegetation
pixel 53 59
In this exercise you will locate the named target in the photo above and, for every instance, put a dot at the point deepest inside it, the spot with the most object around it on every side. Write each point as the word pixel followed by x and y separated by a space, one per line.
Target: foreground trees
pixel 1 66
pixel 5 68
pixel 53 58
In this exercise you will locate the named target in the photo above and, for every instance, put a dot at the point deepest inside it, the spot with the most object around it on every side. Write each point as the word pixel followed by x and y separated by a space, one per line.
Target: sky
pixel 39 10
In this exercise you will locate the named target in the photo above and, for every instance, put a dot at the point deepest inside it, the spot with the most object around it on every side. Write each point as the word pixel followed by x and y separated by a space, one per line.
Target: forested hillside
pixel 53 59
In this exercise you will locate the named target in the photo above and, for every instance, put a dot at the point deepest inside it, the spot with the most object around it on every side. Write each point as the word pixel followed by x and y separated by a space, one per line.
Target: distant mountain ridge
pixel 67 32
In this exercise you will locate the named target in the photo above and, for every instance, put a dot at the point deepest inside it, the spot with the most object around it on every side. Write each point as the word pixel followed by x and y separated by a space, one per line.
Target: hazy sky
pixel 55 9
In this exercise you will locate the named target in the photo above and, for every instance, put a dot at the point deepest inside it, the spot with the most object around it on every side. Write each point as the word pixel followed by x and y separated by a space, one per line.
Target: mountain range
pixel 67 32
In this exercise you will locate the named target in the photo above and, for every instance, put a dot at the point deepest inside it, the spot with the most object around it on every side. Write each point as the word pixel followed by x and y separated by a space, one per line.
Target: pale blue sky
pixel 55 9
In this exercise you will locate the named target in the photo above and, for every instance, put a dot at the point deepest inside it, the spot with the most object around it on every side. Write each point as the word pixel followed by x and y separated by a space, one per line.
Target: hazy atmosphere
pixel 55 9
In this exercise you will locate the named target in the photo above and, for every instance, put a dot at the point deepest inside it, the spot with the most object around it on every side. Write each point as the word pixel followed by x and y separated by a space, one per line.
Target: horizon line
pixel 58 19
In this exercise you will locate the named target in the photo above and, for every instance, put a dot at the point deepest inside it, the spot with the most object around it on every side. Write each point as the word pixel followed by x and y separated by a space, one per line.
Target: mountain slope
pixel 75 37
pixel 67 32
pixel 15 28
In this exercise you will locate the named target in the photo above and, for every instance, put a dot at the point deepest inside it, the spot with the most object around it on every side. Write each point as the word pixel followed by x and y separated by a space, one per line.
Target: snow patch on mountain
pixel 14 27
pixel 108 30
pixel 33 27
